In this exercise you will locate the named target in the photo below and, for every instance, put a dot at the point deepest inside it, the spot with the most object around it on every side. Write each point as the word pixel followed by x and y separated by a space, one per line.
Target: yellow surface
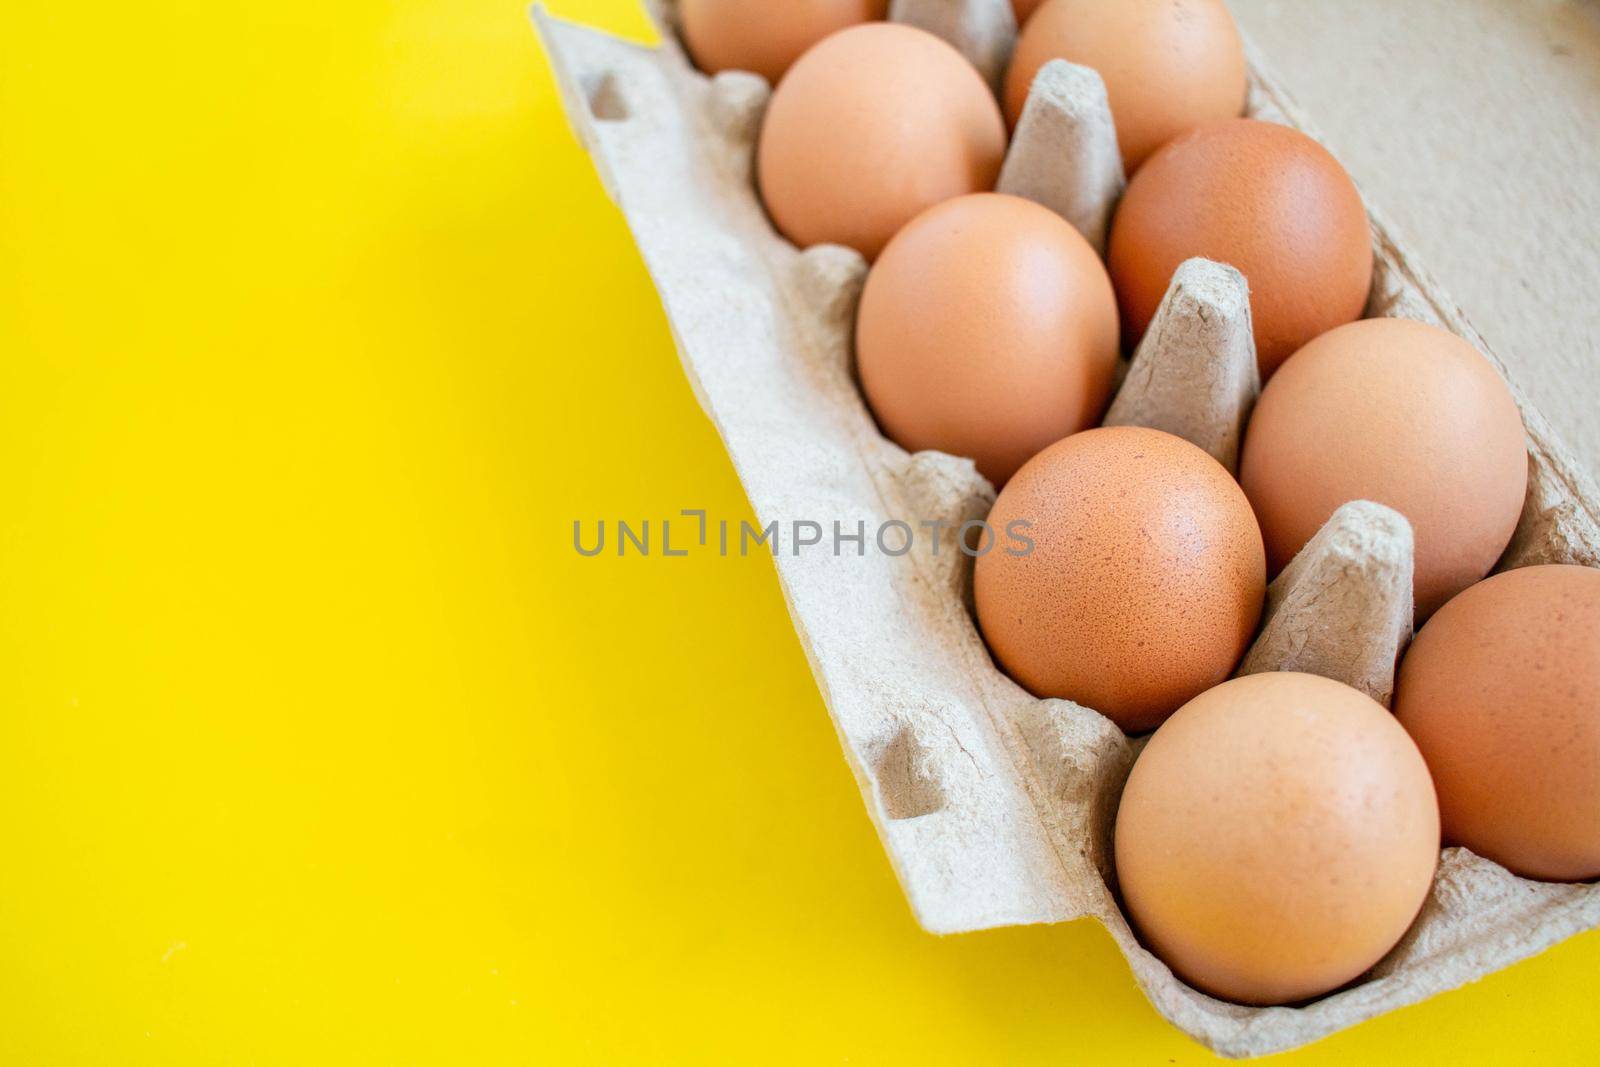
pixel 318 743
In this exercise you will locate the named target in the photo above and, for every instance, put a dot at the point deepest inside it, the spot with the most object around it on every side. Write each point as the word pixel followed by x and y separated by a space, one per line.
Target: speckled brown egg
pixel 1169 65
pixel 1501 691
pixel 1263 198
pixel 1145 579
pixel 1276 838
pixel 763 37
pixel 987 329
pixel 870 128
pixel 1401 413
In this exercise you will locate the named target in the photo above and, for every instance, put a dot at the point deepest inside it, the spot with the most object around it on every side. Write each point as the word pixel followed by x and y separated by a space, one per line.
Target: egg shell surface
pixel 1257 196
pixel 871 127
pixel 1401 413
pixel 1277 836
pixel 1168 65
pixel 763 37
pixel 1501 691
pixel 987 329
pixel 1145 580
pixel 1024 9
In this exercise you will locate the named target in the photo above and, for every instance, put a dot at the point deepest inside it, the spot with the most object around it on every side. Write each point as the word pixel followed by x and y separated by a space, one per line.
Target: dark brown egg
pixel 1260 197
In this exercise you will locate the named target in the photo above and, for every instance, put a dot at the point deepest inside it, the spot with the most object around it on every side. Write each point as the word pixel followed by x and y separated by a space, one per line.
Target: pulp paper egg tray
pixel 995 807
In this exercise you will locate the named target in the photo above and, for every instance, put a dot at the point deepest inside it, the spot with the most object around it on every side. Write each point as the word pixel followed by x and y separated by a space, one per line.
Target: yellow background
pixel 318 743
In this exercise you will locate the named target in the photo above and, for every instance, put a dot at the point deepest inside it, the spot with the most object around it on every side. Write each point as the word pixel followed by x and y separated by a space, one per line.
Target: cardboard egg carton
pixel 996 808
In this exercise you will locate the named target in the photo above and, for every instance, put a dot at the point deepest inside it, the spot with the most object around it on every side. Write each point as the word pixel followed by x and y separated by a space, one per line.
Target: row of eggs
pixel 1279 832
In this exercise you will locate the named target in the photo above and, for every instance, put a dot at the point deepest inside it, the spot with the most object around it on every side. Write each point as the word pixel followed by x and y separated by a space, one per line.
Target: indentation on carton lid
pixel 607 101
pixel 908 781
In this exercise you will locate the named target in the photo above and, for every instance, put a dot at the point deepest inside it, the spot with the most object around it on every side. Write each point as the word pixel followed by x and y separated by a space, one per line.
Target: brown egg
pixel 1024 9
pixel 1276 838
pixel 1501 691
pixel 1401 413
pixel 870 128
pixel 760 36
pixel 1144 583
pixel 1169 65
pixel 987 329
pixel 1263 198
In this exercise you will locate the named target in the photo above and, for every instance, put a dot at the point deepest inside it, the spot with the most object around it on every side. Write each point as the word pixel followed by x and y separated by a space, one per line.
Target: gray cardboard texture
pixel 1194 373
pixel 1064 154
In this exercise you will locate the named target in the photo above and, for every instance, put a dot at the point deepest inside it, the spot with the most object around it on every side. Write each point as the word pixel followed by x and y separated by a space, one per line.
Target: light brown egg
pixel 1169 65
pixel 760 36
pixel 1401 413
pixel 1145 581
pixel 1276 838
pixel 1501 691
pixel 871 127
pixel 1260 197
pixel 987 329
